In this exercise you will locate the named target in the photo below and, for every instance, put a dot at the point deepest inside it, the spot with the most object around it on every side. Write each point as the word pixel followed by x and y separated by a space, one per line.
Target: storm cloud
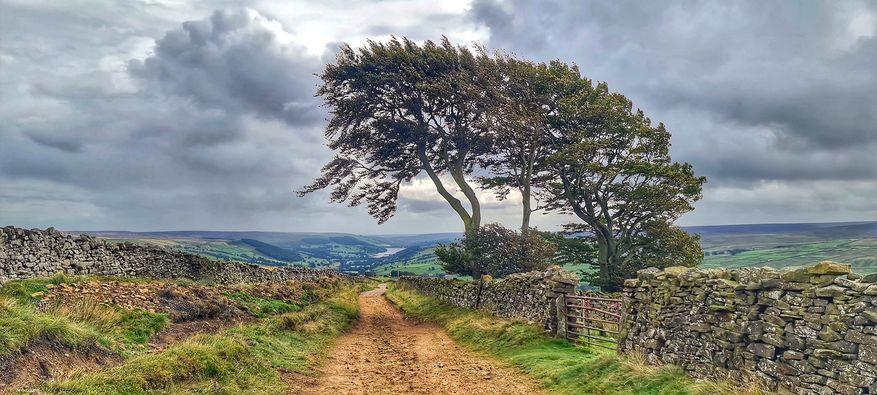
pixel 201 115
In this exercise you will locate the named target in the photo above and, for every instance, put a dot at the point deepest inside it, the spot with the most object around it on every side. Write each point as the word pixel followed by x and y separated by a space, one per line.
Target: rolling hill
pixel 774 245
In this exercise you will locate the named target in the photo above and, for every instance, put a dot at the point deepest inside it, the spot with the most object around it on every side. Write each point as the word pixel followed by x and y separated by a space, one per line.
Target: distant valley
pixel 774 245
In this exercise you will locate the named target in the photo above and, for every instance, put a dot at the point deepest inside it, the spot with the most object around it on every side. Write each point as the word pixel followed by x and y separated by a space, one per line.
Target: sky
pixel 171 114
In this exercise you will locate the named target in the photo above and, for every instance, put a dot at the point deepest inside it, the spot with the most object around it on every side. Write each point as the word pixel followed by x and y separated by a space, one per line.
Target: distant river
pixel 388 252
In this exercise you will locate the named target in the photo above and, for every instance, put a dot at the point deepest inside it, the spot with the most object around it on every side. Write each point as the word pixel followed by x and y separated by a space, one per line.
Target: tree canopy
pixel 612 169
pixel 399 109
pixel 520 120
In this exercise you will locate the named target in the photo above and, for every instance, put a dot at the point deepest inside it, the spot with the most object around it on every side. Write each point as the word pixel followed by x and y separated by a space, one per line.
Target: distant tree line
pixel 469 118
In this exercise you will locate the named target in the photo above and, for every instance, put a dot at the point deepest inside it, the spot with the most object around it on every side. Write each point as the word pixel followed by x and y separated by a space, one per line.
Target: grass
pixel 559 366
pixel 242 360
pixel 261 307
pixel 73 325
pixel 120 329
pixel 21 325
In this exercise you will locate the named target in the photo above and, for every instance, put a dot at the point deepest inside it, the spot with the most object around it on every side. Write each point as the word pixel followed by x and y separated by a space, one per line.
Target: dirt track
pixel 386 354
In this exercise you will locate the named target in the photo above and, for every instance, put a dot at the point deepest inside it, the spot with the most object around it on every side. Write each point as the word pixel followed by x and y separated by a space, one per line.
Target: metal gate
pixel 593 320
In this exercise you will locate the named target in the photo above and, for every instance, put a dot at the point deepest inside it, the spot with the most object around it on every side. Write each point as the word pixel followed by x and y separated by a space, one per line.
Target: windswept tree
pixel 611 168
pixel 399 109
pixel 519 120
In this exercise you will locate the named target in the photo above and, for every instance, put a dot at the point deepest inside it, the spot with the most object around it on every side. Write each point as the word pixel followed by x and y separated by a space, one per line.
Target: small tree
pixel 399 109
pixel 496 251
pixel 612 169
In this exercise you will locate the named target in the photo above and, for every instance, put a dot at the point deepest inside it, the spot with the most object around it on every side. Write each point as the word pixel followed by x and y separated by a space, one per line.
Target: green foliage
pixel 611 167
pixel 496 251
pixel 559 366
pixel 667 246
pixel 520 134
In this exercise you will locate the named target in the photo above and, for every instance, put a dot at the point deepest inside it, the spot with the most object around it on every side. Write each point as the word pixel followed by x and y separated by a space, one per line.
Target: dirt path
pixel 386 354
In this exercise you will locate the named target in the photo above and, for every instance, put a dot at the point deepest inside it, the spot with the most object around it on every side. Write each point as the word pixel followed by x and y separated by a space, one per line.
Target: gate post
pixel 561 283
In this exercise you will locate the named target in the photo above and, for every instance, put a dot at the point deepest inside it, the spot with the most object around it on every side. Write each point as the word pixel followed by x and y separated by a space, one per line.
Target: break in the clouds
pixel 201 115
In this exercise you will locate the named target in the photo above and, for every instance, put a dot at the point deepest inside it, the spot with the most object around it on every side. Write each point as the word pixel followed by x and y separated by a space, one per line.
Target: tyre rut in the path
pixel 386 354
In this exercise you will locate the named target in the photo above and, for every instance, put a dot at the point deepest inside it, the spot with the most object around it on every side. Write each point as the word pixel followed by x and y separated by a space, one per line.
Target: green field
pixel 777 251
pixel 860 253
pixel 420 269
pixel 424 263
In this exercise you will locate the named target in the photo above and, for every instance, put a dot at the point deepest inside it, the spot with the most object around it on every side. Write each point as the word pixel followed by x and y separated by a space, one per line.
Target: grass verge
pixel 245 359
pixel 559 366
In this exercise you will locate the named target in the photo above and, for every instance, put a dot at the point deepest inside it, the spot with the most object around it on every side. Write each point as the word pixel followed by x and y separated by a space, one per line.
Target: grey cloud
pixel 419 206
pixel 164 152
pixel 237 61
pixel 797 71
pixel 62 143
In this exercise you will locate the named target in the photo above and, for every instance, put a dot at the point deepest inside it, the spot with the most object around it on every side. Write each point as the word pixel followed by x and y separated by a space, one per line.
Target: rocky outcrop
pixel 530 297
pixel 39 253
pixel 807 330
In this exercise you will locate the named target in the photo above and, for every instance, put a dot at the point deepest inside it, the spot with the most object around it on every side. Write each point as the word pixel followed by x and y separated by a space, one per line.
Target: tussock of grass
pixel 129 327
pixel 243 360
pixel 21 325
pixel 559 366
pixel 203 362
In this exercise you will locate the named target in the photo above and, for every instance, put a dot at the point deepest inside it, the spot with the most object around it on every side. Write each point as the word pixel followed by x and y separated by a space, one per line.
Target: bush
pixel 496 251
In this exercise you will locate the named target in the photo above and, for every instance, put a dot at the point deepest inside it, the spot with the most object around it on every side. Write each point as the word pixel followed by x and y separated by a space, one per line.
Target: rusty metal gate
pixel 593 320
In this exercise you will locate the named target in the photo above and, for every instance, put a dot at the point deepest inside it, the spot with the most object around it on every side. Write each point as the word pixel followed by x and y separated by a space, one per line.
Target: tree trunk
pixel 525 220
pixel 469 224
pixel 460 179
pixel 603 261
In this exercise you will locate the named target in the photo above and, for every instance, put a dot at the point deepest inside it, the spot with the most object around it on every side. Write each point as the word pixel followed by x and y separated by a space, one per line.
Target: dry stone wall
pixel 39 253
pixel 530 297
pixel 807 331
